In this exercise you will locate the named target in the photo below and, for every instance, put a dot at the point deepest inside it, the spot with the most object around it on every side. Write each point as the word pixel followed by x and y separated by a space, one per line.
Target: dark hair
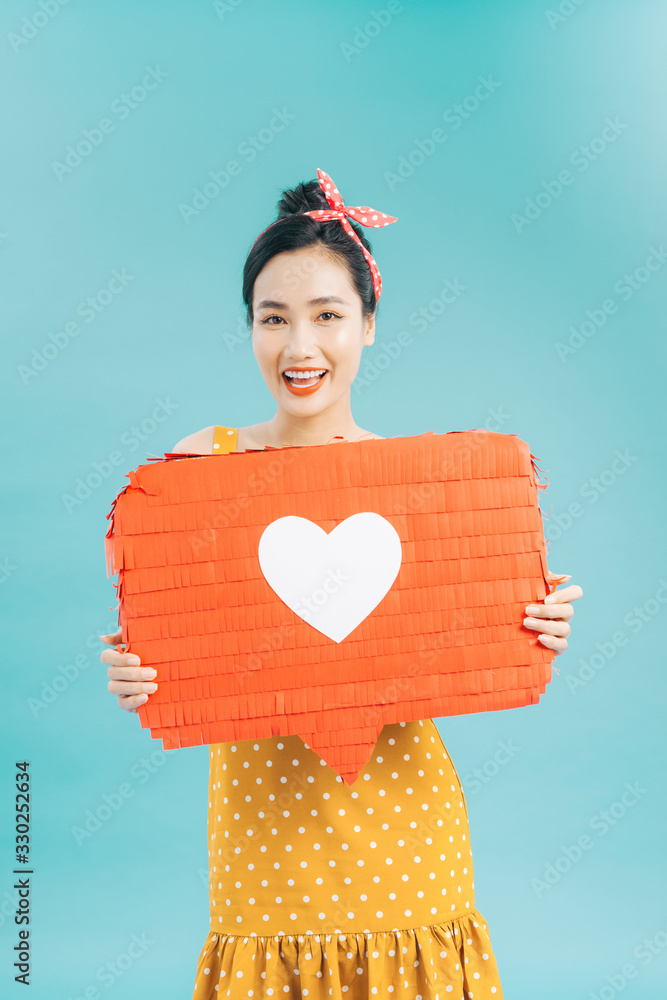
pixel 298 231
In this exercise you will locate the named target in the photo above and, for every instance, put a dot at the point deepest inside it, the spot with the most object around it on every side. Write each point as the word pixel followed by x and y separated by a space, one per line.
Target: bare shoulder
pixel 252 436
pixel 199 443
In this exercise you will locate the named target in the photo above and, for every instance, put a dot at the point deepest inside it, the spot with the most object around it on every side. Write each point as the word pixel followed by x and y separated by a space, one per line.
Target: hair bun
pixel 303 198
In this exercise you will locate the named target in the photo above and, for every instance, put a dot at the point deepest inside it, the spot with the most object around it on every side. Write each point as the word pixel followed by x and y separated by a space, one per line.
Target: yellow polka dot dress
pixel 322 889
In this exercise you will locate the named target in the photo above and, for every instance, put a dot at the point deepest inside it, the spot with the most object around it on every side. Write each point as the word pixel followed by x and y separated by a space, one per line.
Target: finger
pixel 131 673
pixel 548 628
pixel 550 611
pixel 131 702
pixel 119 659
pixel 132 687
pixel 558 644
pixel 113 637
pixel 572 593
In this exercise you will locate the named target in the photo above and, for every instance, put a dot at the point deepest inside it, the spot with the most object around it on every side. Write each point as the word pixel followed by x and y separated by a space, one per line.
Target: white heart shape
pixel 331 581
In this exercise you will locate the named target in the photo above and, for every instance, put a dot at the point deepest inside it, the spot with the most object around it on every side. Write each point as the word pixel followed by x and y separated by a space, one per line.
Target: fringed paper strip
pixel 235 662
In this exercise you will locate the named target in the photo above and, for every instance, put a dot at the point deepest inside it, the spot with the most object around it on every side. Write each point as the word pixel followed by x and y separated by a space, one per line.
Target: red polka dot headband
pixel 360 213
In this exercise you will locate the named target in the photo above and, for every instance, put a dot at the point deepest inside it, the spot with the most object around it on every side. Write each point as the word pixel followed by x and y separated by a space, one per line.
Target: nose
pixel 302 341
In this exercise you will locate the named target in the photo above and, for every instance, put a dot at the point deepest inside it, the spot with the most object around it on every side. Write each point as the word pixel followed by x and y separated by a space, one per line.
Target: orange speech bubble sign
pixel 328 590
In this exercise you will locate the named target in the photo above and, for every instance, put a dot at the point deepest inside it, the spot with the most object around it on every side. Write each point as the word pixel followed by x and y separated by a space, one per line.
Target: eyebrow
pixel 322 300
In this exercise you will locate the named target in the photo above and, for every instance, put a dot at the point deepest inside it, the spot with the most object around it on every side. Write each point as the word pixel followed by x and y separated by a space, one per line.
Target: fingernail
pixel 152 687
pixel 532 609
pixel 546 639
pixel 550 599
pixel 134 660
pixel 149 672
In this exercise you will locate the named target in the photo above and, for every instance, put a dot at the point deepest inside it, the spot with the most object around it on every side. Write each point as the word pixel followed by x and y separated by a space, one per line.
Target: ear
pixel 369 331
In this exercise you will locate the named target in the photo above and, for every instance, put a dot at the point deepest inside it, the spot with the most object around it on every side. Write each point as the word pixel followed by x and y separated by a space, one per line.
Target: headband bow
pixel 360 213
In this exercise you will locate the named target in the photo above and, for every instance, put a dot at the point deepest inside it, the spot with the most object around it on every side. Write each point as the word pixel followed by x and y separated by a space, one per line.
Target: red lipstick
pixel 300 386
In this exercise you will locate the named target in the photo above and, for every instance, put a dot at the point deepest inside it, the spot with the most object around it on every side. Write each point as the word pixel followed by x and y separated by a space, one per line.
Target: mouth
pixel 303 381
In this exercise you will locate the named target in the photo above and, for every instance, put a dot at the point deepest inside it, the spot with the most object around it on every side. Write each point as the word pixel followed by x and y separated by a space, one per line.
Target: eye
pixel 326 313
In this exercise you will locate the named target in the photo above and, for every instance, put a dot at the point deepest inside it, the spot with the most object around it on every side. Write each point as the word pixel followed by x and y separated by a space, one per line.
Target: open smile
pixel 303 381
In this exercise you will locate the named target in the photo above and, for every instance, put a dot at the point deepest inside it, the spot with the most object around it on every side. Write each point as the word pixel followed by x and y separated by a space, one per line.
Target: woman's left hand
pixel 552 617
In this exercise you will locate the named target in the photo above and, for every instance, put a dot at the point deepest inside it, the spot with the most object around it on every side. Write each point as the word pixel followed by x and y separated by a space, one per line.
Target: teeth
pixel 305 375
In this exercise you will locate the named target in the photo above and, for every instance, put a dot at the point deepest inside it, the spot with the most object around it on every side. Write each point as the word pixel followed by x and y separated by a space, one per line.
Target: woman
pixel 319 889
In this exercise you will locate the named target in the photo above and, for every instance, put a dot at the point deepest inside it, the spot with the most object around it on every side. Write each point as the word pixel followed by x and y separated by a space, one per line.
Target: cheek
pixel 351 357
pixel 262 348
pixel 257 351
pixel 346 347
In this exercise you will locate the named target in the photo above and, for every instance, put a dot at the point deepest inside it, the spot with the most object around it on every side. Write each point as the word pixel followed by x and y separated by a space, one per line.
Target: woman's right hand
pixel 129 681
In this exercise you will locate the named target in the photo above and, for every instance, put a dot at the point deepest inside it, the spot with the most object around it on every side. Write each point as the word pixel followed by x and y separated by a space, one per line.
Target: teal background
pixel 172 342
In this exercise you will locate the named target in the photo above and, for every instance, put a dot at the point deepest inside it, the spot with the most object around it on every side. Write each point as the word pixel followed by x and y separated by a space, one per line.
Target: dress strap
pixel 224 439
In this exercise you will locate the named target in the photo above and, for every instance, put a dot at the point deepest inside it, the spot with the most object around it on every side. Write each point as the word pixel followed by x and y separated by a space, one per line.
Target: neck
pixel 286 429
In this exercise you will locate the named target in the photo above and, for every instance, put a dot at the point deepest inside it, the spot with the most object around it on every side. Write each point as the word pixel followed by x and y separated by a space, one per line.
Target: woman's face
pixel 308 317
